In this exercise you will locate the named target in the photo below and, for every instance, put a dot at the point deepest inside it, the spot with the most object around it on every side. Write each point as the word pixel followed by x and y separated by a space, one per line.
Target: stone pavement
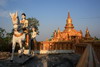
pixel 44 60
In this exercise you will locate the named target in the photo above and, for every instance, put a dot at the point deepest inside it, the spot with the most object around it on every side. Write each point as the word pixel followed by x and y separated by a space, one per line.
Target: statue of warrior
pixel 24 21
pixel 24 24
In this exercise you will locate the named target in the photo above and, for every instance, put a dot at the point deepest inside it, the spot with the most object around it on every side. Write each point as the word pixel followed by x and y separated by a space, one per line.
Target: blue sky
pixel 53 13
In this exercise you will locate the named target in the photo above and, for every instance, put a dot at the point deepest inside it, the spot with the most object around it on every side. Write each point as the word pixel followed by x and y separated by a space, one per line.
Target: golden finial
pixel 68 14
pixel 87 29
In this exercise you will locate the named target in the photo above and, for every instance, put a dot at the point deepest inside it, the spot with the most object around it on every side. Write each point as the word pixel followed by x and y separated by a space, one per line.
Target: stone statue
pixel 17 36
pixel 24 21
pixel 24 24
pixel 33 36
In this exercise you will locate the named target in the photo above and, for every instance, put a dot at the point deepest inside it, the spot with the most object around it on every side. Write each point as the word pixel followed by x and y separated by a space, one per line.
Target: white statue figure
pixel 33 36
pixel 17 36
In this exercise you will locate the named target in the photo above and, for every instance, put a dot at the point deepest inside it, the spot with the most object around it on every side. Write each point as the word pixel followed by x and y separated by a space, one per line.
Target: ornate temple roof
pixel 68 32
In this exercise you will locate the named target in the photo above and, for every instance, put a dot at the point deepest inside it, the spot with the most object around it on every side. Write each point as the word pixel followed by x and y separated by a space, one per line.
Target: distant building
pixel 69 32
pixel 87 35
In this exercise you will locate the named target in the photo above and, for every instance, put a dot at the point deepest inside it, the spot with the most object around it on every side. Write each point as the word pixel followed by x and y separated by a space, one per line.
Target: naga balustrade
pixel 96 47
pixel 79 48
pixel 88 58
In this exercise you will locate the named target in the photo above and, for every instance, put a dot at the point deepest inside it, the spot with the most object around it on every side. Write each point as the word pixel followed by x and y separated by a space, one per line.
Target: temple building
pixel 69 33
pixel 87 35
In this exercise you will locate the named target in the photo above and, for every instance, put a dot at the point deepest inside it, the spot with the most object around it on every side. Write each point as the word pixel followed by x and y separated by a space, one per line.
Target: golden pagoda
pixel 69 32
pixel 87 35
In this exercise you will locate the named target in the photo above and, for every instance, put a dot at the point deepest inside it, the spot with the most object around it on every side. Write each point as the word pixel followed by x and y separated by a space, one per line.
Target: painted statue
pixel 24 21
pixel 21 32
pixel 24 24
pixel 32 40
pixel 18 35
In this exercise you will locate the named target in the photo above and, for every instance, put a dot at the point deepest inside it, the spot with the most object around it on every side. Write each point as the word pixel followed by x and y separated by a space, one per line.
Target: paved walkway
pixel 51 60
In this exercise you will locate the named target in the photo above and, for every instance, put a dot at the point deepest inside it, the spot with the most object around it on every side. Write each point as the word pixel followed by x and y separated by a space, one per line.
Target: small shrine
pixel 87 35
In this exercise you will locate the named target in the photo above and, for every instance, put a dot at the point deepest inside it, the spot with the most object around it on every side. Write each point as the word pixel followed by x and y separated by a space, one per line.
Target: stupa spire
pixel 69 15
pixel 69 20
pixel 69 24
pixel 87 35
pixel 87 31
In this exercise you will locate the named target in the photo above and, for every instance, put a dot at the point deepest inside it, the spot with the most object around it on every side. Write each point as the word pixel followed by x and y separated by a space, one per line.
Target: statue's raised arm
pixel 14 18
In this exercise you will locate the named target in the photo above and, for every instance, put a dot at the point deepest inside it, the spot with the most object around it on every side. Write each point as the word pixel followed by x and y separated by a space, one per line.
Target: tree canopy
pixel 2 32
pixel 33 22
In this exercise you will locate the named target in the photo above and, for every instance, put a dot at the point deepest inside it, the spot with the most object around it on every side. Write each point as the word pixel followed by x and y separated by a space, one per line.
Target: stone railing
pixel 88 58
pixel 96 47
pixel 53 45
pixel 49 47
pixel 79 48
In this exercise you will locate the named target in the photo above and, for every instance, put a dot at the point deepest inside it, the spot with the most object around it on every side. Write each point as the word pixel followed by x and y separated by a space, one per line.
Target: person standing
pixel 32 40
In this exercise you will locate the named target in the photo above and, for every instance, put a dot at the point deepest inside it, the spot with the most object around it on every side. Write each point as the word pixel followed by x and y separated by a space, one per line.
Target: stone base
pixel 48 51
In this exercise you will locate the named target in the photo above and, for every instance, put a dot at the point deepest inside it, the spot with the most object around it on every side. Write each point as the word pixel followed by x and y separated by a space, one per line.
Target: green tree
pixel 33 22
pixel 96 38
pixel 8 37
pixel 2 32
pixel 4 40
